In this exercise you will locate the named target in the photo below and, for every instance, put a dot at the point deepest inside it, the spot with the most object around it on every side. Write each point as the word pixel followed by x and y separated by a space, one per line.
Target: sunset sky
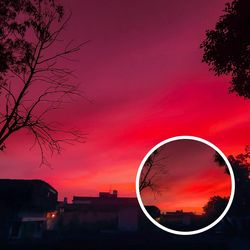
pixel 144 82
pixel 185 176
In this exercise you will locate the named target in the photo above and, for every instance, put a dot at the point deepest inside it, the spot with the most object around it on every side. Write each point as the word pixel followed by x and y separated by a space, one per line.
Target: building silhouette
pixel 26 207
pixel 104 212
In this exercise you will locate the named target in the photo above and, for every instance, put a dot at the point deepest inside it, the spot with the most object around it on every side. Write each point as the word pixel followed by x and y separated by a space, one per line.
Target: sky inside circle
pixel 185 177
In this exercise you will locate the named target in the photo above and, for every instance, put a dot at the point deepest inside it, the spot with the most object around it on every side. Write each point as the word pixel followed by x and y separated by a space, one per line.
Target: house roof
pixel 101 203
pixel 25 194
pixel 178 213
pixel 21 185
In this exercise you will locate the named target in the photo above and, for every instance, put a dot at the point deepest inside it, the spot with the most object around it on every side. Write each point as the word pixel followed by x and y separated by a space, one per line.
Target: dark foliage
pixel 227 47
pixel 241 168
pixel 215 206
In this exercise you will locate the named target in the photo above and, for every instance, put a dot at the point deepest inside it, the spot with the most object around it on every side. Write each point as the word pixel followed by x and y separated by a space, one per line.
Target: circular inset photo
pixel 185 185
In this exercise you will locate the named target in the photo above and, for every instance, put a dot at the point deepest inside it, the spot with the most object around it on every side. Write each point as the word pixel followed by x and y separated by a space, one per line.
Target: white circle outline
pixel 186 137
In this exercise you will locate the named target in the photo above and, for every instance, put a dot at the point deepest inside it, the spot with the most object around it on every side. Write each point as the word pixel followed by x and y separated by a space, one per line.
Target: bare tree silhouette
pixel 152 169
pixel 32 83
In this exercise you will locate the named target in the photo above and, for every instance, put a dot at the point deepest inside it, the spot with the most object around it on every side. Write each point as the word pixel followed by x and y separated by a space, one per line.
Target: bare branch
pixel 63 53
pixel 45 87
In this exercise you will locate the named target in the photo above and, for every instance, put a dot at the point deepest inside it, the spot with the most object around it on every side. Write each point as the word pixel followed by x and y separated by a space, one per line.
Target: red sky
pixel 143 72
pixel 186 176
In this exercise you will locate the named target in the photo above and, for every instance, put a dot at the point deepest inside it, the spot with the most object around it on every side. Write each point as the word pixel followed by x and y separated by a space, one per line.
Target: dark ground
pixel 137 241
